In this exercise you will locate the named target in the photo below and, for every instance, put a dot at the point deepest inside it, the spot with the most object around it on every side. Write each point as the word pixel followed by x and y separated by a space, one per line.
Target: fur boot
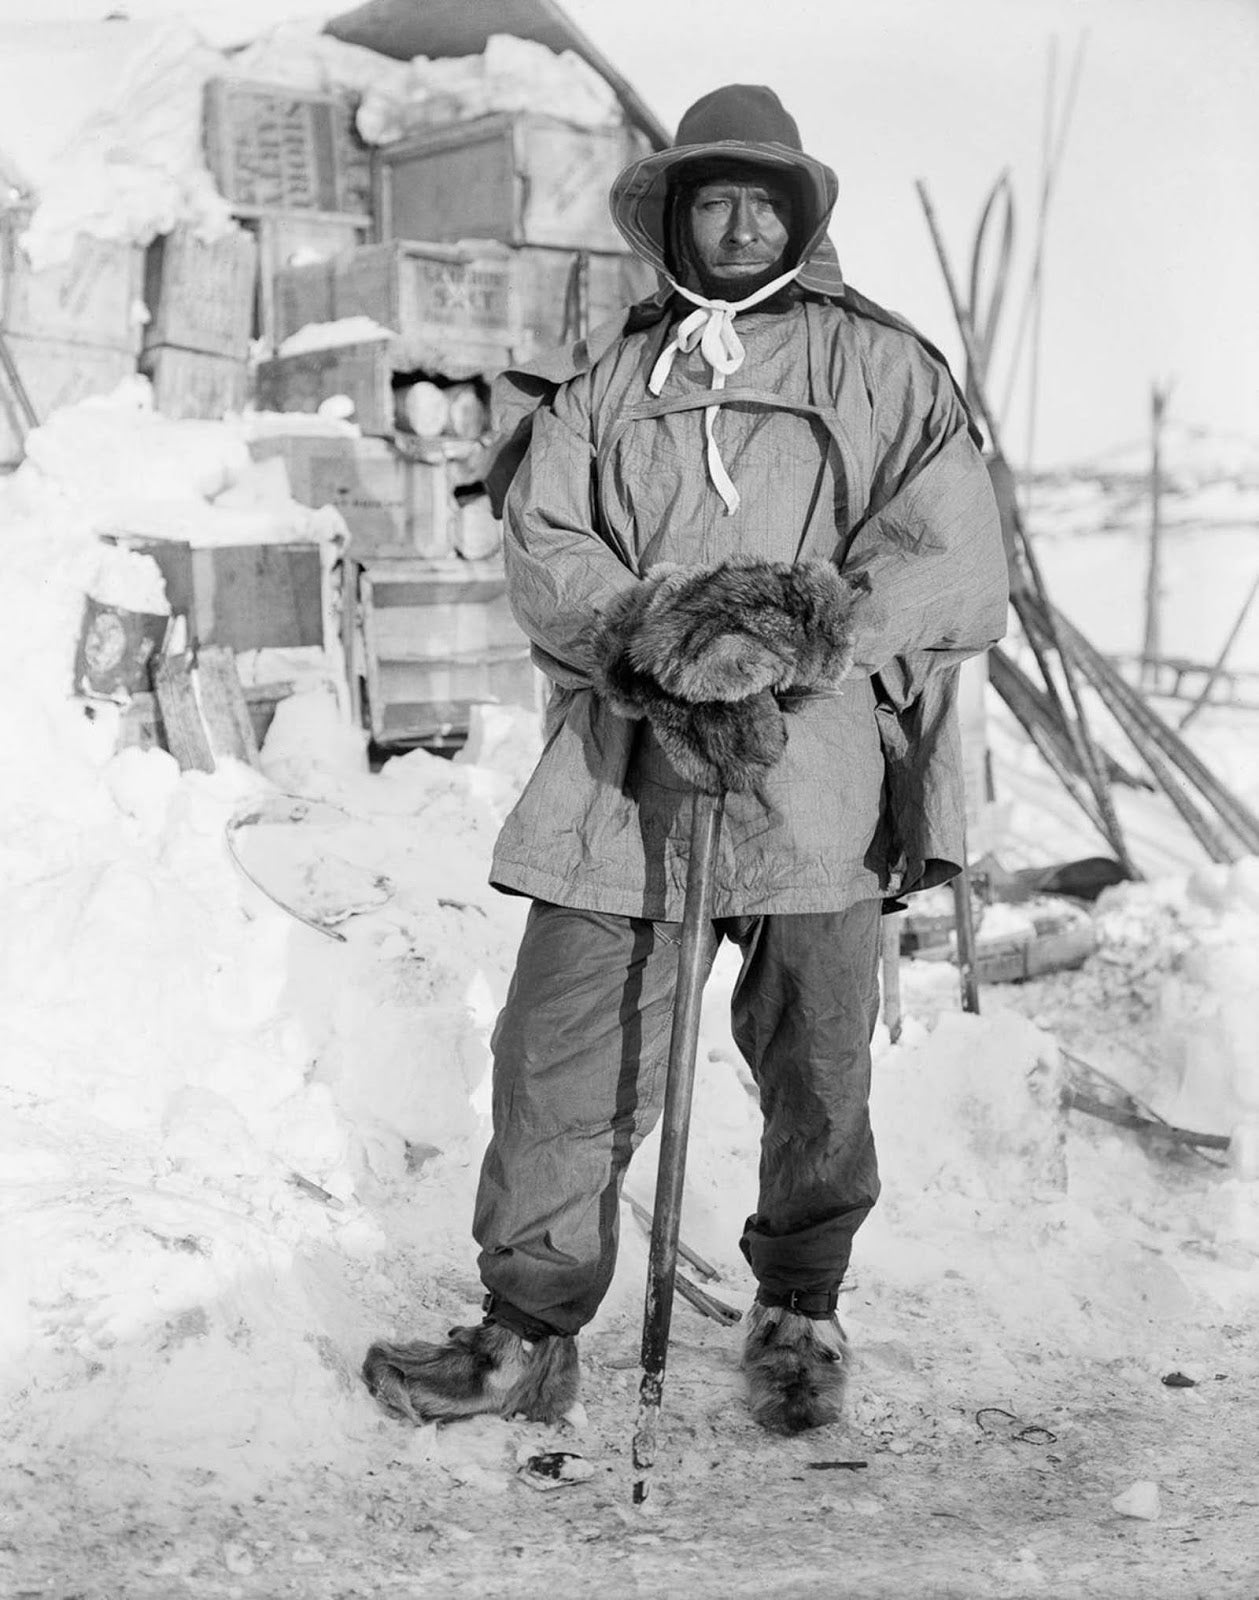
pixel 483 1369
pixel 796 1369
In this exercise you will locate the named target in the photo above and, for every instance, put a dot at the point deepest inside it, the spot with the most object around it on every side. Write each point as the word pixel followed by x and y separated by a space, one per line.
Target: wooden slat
pixel 181 717
pixel 224 710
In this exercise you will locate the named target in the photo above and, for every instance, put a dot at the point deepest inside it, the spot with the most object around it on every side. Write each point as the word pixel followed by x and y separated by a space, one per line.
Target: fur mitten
pixel 719 746
pixel 723 633
pixel 697 651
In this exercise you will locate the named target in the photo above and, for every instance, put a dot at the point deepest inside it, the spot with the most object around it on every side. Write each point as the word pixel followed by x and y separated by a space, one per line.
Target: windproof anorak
pixel 847 441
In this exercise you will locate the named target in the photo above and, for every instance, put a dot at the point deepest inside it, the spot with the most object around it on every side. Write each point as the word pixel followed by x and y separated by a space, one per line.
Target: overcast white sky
pixel 1154 236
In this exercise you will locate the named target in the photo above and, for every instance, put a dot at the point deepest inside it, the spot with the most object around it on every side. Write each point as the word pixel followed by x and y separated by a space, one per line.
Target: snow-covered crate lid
pixel 521 177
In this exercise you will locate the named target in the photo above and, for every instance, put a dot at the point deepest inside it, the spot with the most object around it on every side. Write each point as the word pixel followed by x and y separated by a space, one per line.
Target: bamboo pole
pixel 1079 729
pixel 1018 694
pixel 1216 671
pixel 1131 711
pixel 1049 179
pixel 1152 639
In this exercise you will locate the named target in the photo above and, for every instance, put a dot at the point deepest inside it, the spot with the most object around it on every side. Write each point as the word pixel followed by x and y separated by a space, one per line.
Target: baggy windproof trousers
pixel 580 1059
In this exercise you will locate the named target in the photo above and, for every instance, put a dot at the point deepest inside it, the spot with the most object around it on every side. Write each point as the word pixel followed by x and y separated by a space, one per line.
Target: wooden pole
pixel 1130 709
pixel 967 955
pixel 1152 640
pixel 662 1261
pixel 893 1017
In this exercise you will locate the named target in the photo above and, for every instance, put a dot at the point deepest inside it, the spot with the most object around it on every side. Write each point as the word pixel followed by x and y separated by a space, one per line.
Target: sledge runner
pixel 752 538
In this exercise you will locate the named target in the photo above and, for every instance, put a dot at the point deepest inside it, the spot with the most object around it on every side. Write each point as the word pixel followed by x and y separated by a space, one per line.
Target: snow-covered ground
pixel 233 1149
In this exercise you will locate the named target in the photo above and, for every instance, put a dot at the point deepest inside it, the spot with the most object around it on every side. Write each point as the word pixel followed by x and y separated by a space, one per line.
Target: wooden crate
pixel 291 238
pixel 302 295
pixel 91 299
pixel 451 308
pixel 273 146
pixel 200 293
pixel 1057 941
pixel 364 372
pixel 55 373
pixel 521 177
pixel 190 384
pixel 438 638
pixel 541 280
pixel 391 505
pixel 248 597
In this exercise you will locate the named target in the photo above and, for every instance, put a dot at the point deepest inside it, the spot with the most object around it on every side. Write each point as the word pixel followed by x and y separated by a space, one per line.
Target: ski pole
pixel 662 1260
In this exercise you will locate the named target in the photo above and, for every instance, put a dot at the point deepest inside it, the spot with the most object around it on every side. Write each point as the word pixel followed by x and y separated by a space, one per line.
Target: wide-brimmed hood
pixel 768 139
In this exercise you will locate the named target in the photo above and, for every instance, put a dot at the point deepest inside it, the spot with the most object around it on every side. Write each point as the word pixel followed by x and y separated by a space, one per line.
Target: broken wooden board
pixel 224 709
pixel 181 715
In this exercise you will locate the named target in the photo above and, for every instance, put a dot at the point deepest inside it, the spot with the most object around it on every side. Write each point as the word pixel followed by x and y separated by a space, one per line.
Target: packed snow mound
pixel 103 122
pixel 511 75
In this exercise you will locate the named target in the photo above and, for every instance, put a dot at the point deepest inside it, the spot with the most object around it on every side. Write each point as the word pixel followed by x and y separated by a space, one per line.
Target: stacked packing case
pixel 492 241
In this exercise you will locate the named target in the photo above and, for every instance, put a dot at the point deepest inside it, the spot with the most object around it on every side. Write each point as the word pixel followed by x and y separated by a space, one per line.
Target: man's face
pixel 740 228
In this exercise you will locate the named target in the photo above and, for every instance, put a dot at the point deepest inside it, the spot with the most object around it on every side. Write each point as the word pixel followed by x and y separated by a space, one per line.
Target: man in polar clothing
pixel 752 538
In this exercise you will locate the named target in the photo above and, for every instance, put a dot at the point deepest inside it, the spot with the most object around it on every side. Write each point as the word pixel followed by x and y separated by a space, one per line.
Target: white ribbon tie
pixel 711 327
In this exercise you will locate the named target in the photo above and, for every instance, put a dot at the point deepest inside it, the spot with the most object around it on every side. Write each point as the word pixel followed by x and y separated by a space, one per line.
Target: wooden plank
pixel 223 707
pixel 348 601
pixel 191 384
pixel 89 299
pixel 181 717
pixel 200 293
pixel 54 373
pixel 273 146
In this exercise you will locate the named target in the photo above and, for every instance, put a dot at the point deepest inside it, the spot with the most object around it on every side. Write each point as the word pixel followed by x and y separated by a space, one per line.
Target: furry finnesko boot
pixel 483 1369
pixel 796 1369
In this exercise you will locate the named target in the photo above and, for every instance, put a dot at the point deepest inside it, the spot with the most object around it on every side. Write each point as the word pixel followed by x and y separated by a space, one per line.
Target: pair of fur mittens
pixel 702 653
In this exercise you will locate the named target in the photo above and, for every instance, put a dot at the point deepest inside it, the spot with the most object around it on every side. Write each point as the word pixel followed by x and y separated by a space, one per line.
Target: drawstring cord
pixel 711 327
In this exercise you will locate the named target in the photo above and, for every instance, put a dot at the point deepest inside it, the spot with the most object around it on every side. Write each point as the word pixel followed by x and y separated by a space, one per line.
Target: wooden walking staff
pixel 662 1261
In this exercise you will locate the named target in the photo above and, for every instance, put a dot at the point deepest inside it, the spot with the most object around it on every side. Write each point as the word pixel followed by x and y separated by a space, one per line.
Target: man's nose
pixel 742 229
